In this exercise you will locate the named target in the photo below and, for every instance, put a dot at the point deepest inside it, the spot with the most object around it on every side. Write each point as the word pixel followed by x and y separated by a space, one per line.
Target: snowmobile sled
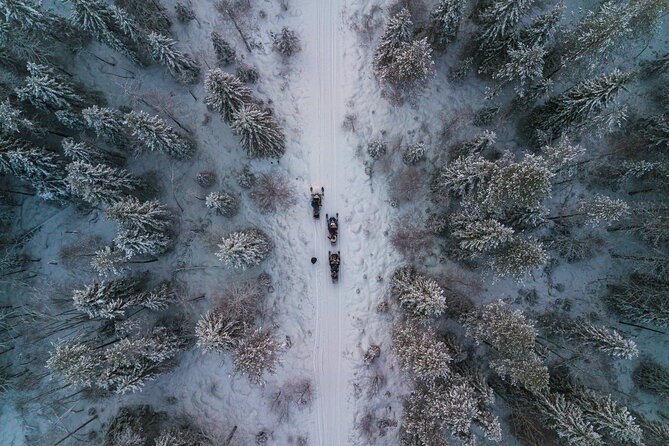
pixel 317 201
pixel 334 260
pixel 333 227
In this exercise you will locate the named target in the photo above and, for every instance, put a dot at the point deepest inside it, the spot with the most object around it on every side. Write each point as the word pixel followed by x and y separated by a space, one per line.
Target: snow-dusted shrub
pixel 272 191
pixel 40 168
pixel 155 135
pixel 407 184
pixel 583 101
pixel 600 208
pixel 246 178
pixel 244 249
pixel 652 377
pixel 224 52
pixel 259 132
pixel 206 179
pixel 247 73
pixel 417 294
pixel 568 421
pixel 286 42
pixel 411 238
pixel 445 22
pixel 109 261
pixel 420 352
pixel 518 258
pixel 225 93
pixel 293 394
pixel 46 90
pixel 148 215
pixel 99 184
pixel 182 435
pixel 223 203
pixel 373 352
pixel 376 149
pixel 257 353
pixel 414 153
pixel 512 337
pixel 184 12
pixel 180 65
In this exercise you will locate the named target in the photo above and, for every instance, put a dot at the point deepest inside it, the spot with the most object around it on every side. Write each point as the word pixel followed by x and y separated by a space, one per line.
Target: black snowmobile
pixel 317 201
pixel 333 227
pixel 334 260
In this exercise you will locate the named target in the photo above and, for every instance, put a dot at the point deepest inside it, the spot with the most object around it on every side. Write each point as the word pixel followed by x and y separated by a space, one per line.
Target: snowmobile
pixel 333 227
pixel 317 201
pixel 334 260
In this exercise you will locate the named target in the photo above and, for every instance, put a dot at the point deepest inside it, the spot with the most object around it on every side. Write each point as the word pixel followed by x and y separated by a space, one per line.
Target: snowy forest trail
pixel 325 99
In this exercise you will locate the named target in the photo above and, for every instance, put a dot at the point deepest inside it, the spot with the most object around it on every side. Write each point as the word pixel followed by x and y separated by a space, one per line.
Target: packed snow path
pixel 324 144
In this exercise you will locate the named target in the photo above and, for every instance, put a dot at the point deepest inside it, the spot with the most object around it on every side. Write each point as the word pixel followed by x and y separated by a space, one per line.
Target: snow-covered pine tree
pixel 109 261
pixel 598 31
pixel 500 18
pixel 81 151
pixel 602 339
pixel 107 123
pixel 12 121
pixel 184 12
pixel 445 22
pixel 656 131
pixel 286 42
pixel 461 176
pixel 245 249
pixel 259 132
pixel 180 65
pixel 412 64
pixel 420 352
pixel 222 203
pixel 257 353
pixel 480 236
pixel 40 168
pixel 99 184
pixel 225 93
pixel 568 421
pixel 136 242
pixel 216 331
pixel 150 14
pixel 652 377
pixel 102 21
pixel 518 258
pixel 542 29
pixel 640 298
pixel 474 146
pixel 46 90
pixel 600 208
pixel 397 32
pixel 583 101
pixel 25 14
pixel 148 216
pixel 414 153
pixel 655 433
pixel 524 65
pixel 77 362
pixel 609 416
pixel 108 299
pixel 512 337
pixel 155 135
pixel 417 294
pixel 224 52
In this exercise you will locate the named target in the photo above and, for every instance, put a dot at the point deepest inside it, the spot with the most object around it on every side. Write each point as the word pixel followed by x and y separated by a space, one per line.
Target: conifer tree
pixel 414 153
pixel 46 90
pixel 12 121
pixel 397 32
pixel 218 332
pixel 417 294
pixel 107 123
pixel 155 135
pixel 581 102
pixel 81 151
pixel 523 67
pixel 109 261
pixel 567 420
pixel 286 42
pixel 179 64
pixel 40 168
pixel 150 14
pixel 136 242
pixel 609 416
pixel 412 64
pixel 26 14
pixel 108 299
pixel 461 176
pixel 225 93
pixel 600 208
pixel 256 354
pixel 445 22
pixel 147 216
pixel 76 362
pixel 521 184
pixel 480 236
pixel 518 258
pixel 223 203
pixel 542 29
pixel 224 51
pixel 640 298
pixel 260 134
pixel 244 249
pixel 106 24
pixel 602 339
pixel 420 352
pixel 99 184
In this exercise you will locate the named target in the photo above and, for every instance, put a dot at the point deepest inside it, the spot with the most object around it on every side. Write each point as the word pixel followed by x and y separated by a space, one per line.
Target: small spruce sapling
pixel 224 52
pixel 180 65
